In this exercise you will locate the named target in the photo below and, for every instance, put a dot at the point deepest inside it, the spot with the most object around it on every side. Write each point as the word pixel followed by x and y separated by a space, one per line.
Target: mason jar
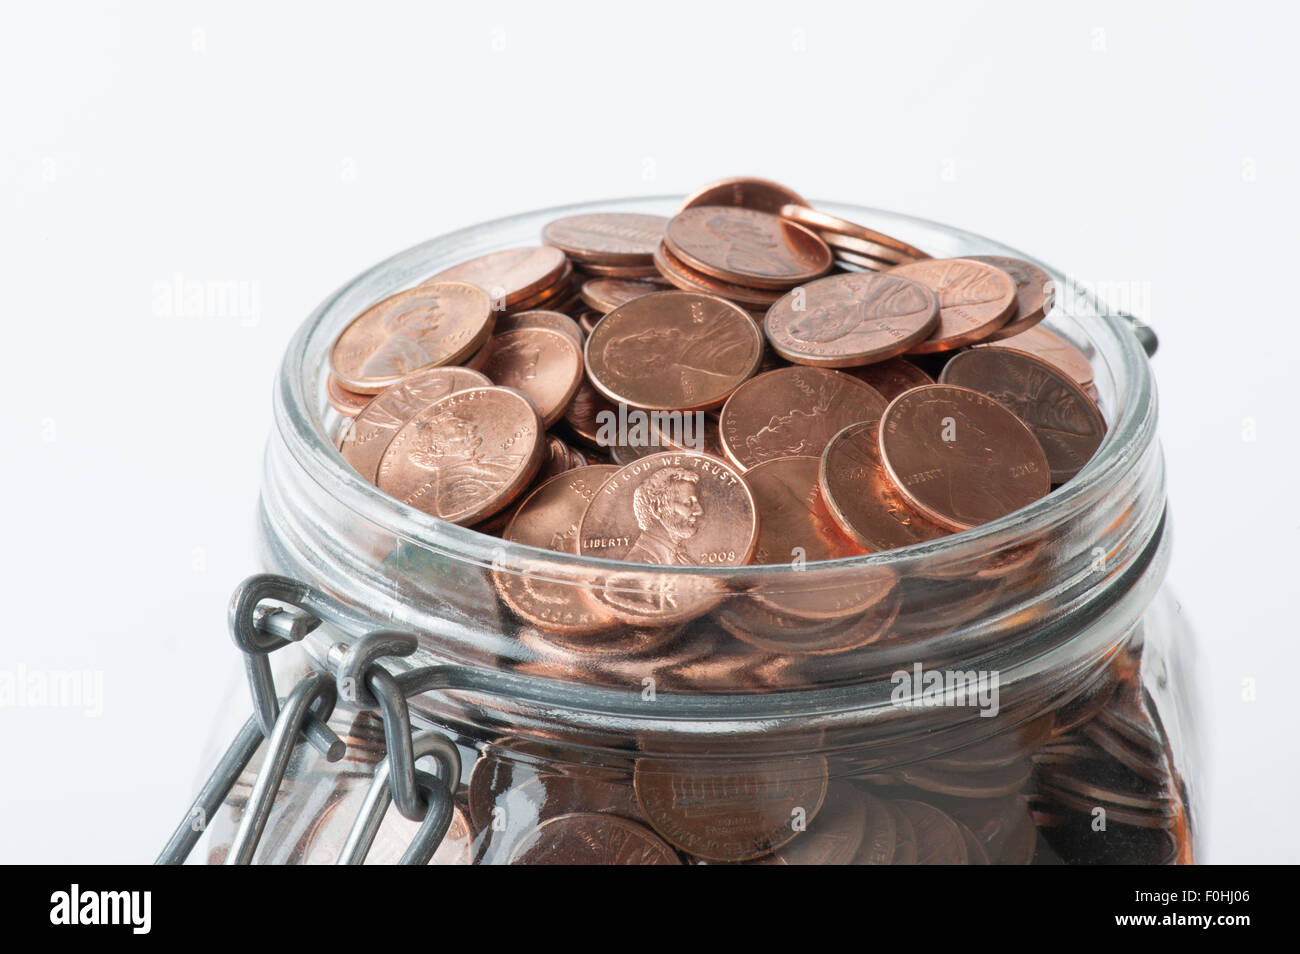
pixel 1016 693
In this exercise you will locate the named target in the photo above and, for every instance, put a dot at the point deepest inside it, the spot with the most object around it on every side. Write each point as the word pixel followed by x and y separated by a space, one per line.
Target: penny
pixel 938 839
pixel 552 320
pixel 975 299
pixel 793 522
pixel 429 325
pixel 882 254
pixel 679 275
pixel 589 838
pixel 1034 293
pixel 552 598
pixel 1063 418
pixel 1047 345
pixel 464 457
pixel 835 836
pixel 793 412
pixel 825 222
pixel 620 272
pixel 959 457
pixel 587 321
pixel 673 350
pixel 374 428
pixel 585 415
pixel 606 294
pixel 892 377
pixel 547 297
pixel 348 403
pixel 746 247
pixel 510 275
pixel 824 619
pixel 861 498
pixel 730 810
pixel 905 845
pixel 845 257
pixel 851 319
pixel 545 365
pixel 607 238
pixel 746 192
pixel 881 835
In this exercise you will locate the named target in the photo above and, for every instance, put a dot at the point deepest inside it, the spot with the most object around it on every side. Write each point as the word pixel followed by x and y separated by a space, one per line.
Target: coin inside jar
pixel 606 294
pixel 892 377
pixel 824 222
pixel 852 319
pixel 746 247
pixel 959 457
pixel 1034 293
pixel 680 276
pixel 511 275
pixel 673 351
pixel 746 192
pixel 793 412
pixel 1047 345
pixel 975 300
pixel 1063 418
pixel 466 456
pixel 546 365
pixel 793 522
pixel 607 238
pixel 592 838
pixel 426 326
pixel 541 318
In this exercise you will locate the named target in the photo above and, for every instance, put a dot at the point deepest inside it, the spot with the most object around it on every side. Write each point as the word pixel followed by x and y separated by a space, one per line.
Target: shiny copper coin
pixel 552 320
pixel 464 457
pixel 746 247
pixel 1034 293
pixel 426 326
pixel 479 358
pixel 821 619
pixel 374 428
pixel 1047 345
pixel 746 192
pixel 673 351
pixel 348 403
pixel 606 294
pixel 862 499
pixel 543 364
pixel 549 519
pixel 587 322
pixel 548 297
pixel 510 275
pixel 959 457
pixel 793 522
pixel 856 262
pixel 687 279
pixel 835 836
pixel 846 320
pixel 938 839
pixel 892 377
pixel 1063 418
pixel 607 238
pixel 589 838
pixel 855 246
pixel 793 412
pixel 975 300
pixel 825 222
pixel 585 414
pixel 730 810
pixel 620 272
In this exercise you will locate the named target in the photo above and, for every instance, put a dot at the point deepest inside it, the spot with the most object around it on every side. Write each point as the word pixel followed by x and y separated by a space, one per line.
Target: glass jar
pixel 1026 678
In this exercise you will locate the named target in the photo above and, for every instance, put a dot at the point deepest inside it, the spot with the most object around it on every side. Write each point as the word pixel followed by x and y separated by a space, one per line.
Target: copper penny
pixel 892 377
pixel 746 247
pixel 1047 345
pixel 905 847
pixel 1063 418
pixel 835 837
pixel 348 403
pixel 687 279
pixel 587 321
pixel 959 457
pixel 881 836
pixel 543 364
pixel 620 272
pixel 464 457
pixel 552 320
pixel 882 254
pixel 584 415
pixel 823 619
pixel 844 257
pixel 793 522
pixel 1034 293
pixel 429 325
pixel 825 222
pixel 852 319
pixel 589 838
pixel 673 351
pixel 746 192
pixel 793 412
pixel 975 300
pixel 938 839
pixel 375 427
pixel 549 519
pixel 607 238
pixel 862 499
pixel 548 297
pixel 606 294
pixel 730 810
pixel 510 275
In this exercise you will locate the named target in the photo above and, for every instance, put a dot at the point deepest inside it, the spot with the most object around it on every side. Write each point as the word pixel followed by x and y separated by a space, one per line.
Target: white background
pixel 291 147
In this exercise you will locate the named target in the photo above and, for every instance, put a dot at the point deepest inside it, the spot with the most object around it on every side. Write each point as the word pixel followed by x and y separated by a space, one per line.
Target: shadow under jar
pixel 1013 694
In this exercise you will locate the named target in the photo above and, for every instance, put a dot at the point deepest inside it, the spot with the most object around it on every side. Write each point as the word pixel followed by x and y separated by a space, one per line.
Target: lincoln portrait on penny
pixel 667 509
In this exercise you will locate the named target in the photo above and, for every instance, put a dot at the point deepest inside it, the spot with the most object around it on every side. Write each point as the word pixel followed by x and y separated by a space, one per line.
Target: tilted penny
pixel 607 238
pixel 959 457
pixel 793 521
pixel 549 519
pixel 375 427
pixel 975 300
pixel 687 279
pixel 1034 293
pixel 938 839
pixel 619 272
pixel 835 837
pixel 422 327
pixel 606 294
pixel 510 275
pixel 815 619
pixel 584 417
pixel 1047 345
pixel 589 838
pixel 559 290
pixel 543 364
pixel 746 247
pixel 881 836
pixel 1063 418
pixel 825 222
pixel 883 254
pixel 862 499
pixel 746 192
pixel 466 456
pixel 892 377
pixel 729 810
pixel 540 318
pixel 793 412
pixel 587 321
pixel 348 403
pixel 673 351
pixel 853 319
